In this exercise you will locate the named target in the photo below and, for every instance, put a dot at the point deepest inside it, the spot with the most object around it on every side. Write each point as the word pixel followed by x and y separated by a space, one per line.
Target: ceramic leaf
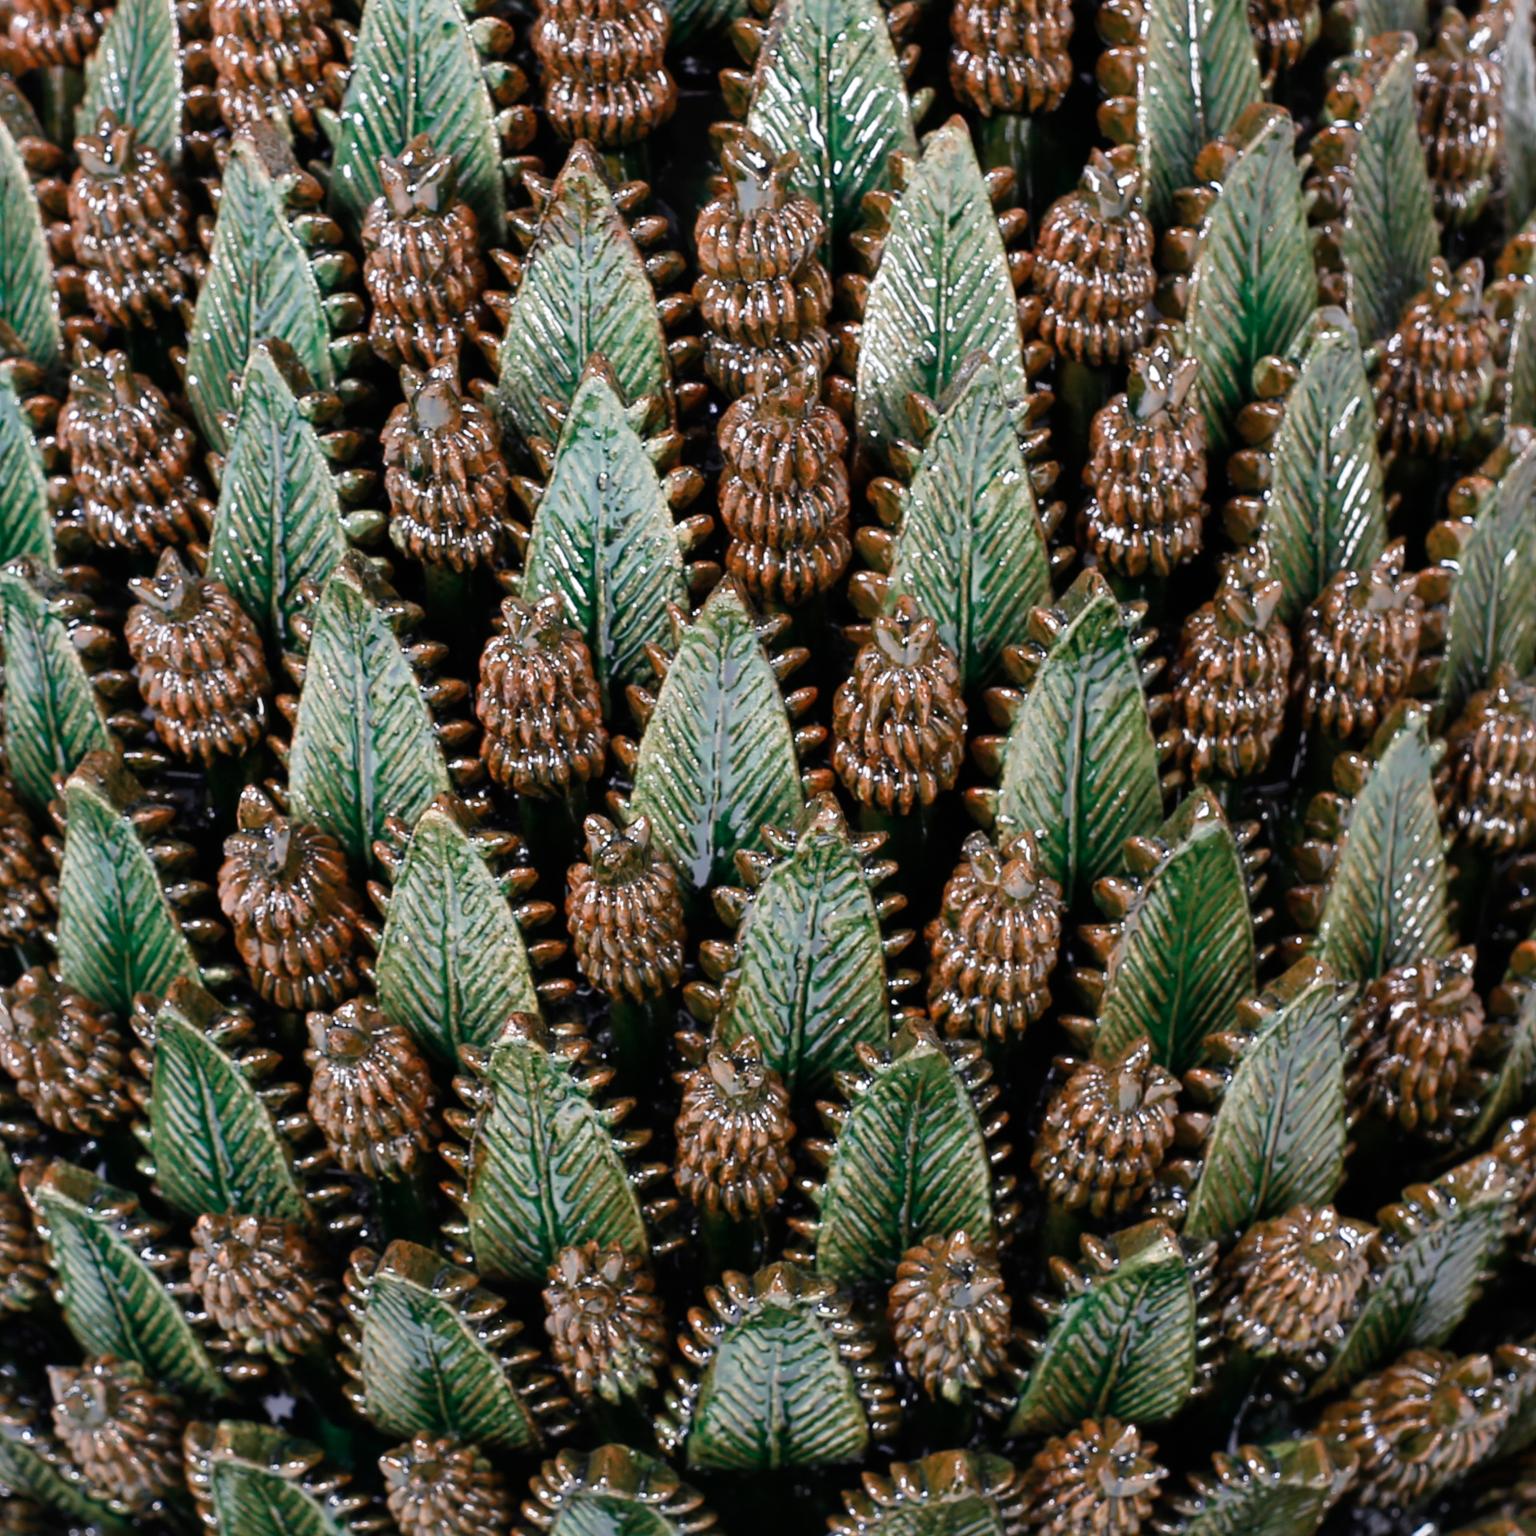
pixel 1283 1489
pixel 27 302
pixel 616 1491
pixel 1519 61
pixel 1511 302
pixel 26 524
pixel 947 1493
pixel 695 18
pixel 29 1472
pixel 1512 1006
pixel 135 73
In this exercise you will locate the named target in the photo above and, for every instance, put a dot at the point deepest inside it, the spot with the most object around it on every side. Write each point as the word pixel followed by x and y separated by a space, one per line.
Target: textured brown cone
pixel 1459 84
pixel 950 1315
pixel 24 1272
pixel 604 70
pixel 24 908
pixel 1097 1480
pixel 1283 31
pixel 119 1428
pixel 1010 55
pixel 437 1485
pixel 607 1333
pixel 55 33
pixel 274 57
pixel 1487 779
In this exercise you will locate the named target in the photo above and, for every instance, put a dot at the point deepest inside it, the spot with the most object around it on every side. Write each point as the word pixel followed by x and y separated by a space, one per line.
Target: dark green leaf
pixel 27 302
pixel 1518 56
pixel 27 1472
pixel 251 1480
pixel 135 73
pixel 614 1491
pixel 1284 1489
pixel 26 525
pixel 692 19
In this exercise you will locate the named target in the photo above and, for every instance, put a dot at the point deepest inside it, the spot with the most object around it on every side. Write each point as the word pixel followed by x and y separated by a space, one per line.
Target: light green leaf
pixel 604 539
pixel 416 70
pixel 363 743
pixel 452 965
pixel 26 525
pixel 1284 1489
pixel 1518 56
pixel 1370 18
pixel 614 1491
pixel 1511 304
pixel 252 1480
pixel 279 517
pixel 819 56
pixel 950 1493
pixel 27 302
pixel 135 73
pixel 717 761
pixel 584 291
pixel 259 287
pixel 693 19
pixel 28 1472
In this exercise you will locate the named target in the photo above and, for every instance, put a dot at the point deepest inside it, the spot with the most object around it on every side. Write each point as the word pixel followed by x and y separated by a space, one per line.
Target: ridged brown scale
pixel 24 1272
pixel 1010 55
pixel 1099 1479
pixel 132 458
pixel 604 69
pixel 55 33
pixel 439 1485
pixel 67 1057
pixel 607 1332
pixel 422 266
pixel 296 919
pixel 950 1315
pixel 120 1429
pixel 1487 779
pixel 274 58
pixel 1459 87
pixel 784 492
pixel 24 905
pixel 1283 32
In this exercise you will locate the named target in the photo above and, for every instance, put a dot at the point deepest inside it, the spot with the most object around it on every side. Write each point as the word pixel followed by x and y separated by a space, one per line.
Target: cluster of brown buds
pixel 1459 83
pixel 604 68
pixel 1010 55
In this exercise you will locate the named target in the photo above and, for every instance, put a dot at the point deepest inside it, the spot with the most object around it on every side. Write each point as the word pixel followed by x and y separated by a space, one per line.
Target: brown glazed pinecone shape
pixel 1146 468
pixel 1097 1480
pixel 1010 55
pixel 437 1485
pixel 995 941
pixel 604 68
pixel 898 719
pixel 734 1134
pixel 55 33
pixel 1093 269
pixel 297 923
pixel 263 1284
pixel 538 702
pixel 131 457
pixel 119 1429
pixel 1487 779
pixel 67 1057
pixel 199 662
pixel 624 908
pixel 784 491
pixel 274 58
pixel 131 227
pixel 1106 1132
pixel 1360 647
pixel 24 1272
pixel 24 906
pixel 1459 85
pixel 422 266
pixel 762 291
pixel 1283 31
pixel 950 1315
pixel 607 1332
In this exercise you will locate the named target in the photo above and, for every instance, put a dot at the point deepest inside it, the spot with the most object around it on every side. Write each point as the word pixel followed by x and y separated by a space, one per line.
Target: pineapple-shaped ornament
pixel 276 58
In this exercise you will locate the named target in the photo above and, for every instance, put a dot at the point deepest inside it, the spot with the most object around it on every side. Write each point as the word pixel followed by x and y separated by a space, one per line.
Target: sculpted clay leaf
pixel 27 302
pixel 135 73
pixel 26 523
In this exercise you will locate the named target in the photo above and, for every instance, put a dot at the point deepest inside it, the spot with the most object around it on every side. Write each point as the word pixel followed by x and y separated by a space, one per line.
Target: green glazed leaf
pixel 27 301
pixel 363 744
pixel 692 19
pixel 1370 18
pixel 1519 60
pixel 416 70
pixel 135 73
pixel 584 290
pixel 950 1493
pixel 717 761
pixel 1285 1489
pixel 1511 303
pixel 27 1472
pixel 259 287
pixel 279 518
pixel 604 539
pixel 1278 1137
pixel 452 965
pixel 615 1491
pixel 252 1480
pixel 941 292
pixel 1080 764
pixel 26 525
pixel 1185 957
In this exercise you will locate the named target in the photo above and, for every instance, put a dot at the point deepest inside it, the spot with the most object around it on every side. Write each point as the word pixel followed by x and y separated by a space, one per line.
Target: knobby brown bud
pixel 55 33
pixel 604 69
pixel 24 909
pixel 1146 468
pixel 784 492
pixel 119 1429
pixel 68 1057
pixel 422 269
pixel 1283 31
pixel 1487 780
pixel 131 457
pixel 1097 1480
pixel 371 1092
pixel 1106 1132
pixel 898 720
pixel 444 473
pixel 1093 267
pixel 1459 85
pixel 1010 55
pixel 24 1272
pixel 264 1284
pixel 539 702
pixel 995 941
pixel 274 58
pixel 734 1133
pixel 606 1329
pixel 624 908
pixel 297 924
pixel 950 1315
pixel 438 1485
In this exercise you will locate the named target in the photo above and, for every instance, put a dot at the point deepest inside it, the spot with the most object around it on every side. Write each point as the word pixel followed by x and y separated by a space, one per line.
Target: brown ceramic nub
pixel 762 291
pixel 1146 468
pixel 264 1284
pixel 443 470
pixel 1418 1425
pixel 604 69
pixel 1097 1480
pixel 119 1429
pixel 199 662
pixel 371 1092
pixel 1459 85
pixel 898 720
pixel 131 457
pixel 131 227
pixel 1010 55
pixel 24 1272
pixel 950 1315
pixel 438 1485
pixel 297 922
pixel 1233 673
pixel 24 906
pixel 734 1134
pixel 1436 369
pixel 1093 268
pixel 994 943
pixel 1487 780
pixel 68 1058
pixel 1360 648
pixel 624 908
pixel 607 1333
pixel 55 33
pixel 275 58
pixel 1411 1043
pixel 1106 1132
pixel 1283 31
pixel 422 269
pixel 784 491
